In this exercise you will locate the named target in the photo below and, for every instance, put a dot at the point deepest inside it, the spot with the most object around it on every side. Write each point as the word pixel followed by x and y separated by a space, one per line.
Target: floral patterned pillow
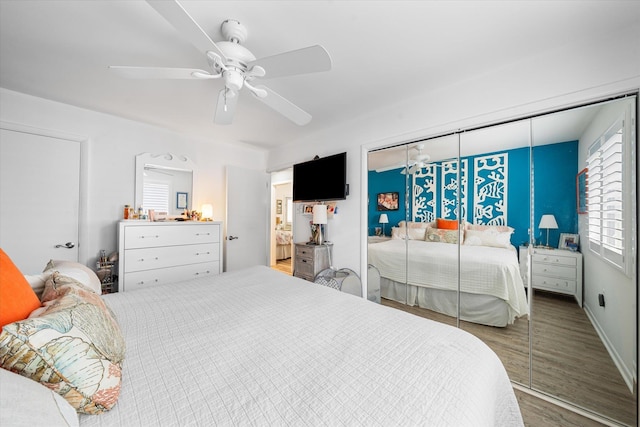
pixel 440 235
pixel 72 345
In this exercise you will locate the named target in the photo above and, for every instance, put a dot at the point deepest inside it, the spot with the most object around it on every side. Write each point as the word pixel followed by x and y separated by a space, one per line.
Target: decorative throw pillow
pixel 399 233
pixel 489 237
pixel 439 235
pixel 483 227
pixel 81 273
pixel 72 345
pixel 17 299
pixel 447 224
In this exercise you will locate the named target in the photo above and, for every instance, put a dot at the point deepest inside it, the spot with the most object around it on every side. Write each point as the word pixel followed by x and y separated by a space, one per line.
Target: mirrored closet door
pixel 546 267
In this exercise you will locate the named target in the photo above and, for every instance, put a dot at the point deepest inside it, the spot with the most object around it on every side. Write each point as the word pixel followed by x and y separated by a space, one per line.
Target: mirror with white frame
pixel 164 183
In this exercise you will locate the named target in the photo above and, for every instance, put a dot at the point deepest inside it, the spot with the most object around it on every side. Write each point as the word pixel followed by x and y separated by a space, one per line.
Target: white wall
pixel 112 146
pixel 569 74
pixel 616 321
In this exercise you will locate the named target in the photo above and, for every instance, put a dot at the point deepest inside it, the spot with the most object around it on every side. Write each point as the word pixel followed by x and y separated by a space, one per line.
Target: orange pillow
pixel 447 224
pixel 17 299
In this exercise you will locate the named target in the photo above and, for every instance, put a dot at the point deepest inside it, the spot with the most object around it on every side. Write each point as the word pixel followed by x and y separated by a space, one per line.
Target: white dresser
pixel 555 270
pixel 153 253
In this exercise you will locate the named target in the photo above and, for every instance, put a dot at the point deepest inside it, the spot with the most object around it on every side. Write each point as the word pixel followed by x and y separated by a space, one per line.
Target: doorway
pixel 281 252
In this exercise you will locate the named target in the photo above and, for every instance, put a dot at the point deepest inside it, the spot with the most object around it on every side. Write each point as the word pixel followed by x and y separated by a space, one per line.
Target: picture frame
pixel 181 200
pixel 279 206
pixel 569 241
pixel 388 201
pixel 307 209
pixel 582 188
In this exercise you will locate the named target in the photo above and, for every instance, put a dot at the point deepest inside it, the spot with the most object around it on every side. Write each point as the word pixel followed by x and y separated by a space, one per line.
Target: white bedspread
pixel 257 347
pixel 483 269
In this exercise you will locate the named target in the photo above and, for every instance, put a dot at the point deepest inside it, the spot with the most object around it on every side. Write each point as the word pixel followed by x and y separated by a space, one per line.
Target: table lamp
pixel 319 219
pixel 548 221
pixel 384 219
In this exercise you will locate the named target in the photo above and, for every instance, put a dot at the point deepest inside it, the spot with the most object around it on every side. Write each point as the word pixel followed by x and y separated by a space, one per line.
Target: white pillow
pixel 37 281
pixel 25 402
pixel 490 237
pixel 77 271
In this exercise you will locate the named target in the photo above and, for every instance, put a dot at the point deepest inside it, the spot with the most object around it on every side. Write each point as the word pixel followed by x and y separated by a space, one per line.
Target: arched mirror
pixel 164 182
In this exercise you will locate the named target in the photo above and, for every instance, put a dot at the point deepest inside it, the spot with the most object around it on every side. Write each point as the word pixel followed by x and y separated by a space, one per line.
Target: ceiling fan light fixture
pixel 234 79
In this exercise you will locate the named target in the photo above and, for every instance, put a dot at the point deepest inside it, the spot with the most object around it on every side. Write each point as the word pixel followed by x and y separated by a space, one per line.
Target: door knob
pixel 232 238
pixel 67 245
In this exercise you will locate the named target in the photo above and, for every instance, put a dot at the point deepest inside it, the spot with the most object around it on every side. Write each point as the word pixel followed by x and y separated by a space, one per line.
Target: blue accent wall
pixel 386 182
pixel 555 169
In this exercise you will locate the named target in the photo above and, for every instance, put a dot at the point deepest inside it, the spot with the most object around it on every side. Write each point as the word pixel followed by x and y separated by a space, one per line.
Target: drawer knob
pixel 202 253
pixel 203 234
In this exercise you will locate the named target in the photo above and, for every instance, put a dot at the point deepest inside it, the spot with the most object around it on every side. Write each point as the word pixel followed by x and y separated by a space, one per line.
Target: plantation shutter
pixel 605 196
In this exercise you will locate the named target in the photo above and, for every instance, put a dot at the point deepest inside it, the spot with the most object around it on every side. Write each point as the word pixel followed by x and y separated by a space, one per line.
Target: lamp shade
pixel 320 214
pixel 207 211
pixel 384 219
pixel 548 221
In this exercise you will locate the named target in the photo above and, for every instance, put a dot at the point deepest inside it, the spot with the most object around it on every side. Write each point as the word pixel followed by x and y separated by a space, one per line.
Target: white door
pixel 39 198
pixel 246 219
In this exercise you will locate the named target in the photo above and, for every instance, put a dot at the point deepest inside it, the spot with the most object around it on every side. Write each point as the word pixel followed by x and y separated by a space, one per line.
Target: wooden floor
pixel 283 265
pixel 568 361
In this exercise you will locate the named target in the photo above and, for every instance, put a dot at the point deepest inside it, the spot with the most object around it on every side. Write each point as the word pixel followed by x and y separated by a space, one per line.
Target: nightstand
pixel 310 260
pixel 554 270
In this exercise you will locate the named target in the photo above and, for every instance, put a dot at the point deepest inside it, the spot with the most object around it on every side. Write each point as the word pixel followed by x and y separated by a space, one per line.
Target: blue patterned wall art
pixel 425 190
pixel 490 189
pixel 449 198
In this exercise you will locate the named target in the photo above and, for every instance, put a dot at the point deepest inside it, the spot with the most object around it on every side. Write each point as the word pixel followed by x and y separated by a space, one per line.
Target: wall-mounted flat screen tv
pixel 321 179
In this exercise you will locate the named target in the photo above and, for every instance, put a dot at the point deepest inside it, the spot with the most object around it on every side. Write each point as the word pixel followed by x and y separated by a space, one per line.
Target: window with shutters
pixel 155 195
pixel 606 198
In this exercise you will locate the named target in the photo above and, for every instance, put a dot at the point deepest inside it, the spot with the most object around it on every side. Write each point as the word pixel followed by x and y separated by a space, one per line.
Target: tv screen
pixel 321 179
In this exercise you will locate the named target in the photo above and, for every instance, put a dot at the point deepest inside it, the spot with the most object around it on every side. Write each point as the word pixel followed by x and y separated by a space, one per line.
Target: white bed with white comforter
pixel 417 272
pixel 257 347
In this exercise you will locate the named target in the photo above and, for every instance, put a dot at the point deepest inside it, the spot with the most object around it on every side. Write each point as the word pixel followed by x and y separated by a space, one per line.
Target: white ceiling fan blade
pixel 161 73
pixel 226 107
pixel 302 61
pixel 175 14
pixel 284 107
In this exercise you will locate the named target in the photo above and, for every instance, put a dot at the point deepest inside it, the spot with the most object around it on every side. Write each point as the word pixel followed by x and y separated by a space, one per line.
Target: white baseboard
pixel 627 374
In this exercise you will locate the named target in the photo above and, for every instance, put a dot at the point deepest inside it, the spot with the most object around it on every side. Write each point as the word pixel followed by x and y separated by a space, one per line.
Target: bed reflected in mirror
pixel 559 313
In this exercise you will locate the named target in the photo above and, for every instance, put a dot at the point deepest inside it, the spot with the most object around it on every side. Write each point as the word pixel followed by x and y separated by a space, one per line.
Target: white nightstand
pixel 554 270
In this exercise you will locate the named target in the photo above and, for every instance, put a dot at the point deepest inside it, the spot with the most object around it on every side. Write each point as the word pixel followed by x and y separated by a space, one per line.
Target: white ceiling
pixel 382 52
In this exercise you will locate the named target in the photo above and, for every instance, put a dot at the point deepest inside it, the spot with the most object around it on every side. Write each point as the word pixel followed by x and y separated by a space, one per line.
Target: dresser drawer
pixel 304 267
pixel 169 256
pixel 553 270
pixel 161 276
pixel 554 284
pixel 304 252
pixel 554 259
pixel 169 235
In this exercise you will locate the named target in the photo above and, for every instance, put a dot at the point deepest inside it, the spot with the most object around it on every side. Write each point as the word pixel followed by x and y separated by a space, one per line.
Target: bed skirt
pixel 476 308
pixel 283 251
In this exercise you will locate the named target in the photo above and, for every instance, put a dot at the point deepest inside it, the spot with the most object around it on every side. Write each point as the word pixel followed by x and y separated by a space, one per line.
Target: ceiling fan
pixel 414 164
pixel 230 61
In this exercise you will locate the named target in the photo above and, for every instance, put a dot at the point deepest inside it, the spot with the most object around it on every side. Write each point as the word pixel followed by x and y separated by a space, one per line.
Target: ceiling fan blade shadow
pixel 159 72
pixel 224 116
pixel 285 107
pixel 175 14
pixel 310 59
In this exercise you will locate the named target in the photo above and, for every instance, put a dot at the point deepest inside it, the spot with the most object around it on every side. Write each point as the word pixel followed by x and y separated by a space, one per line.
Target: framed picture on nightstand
pixel 569 241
